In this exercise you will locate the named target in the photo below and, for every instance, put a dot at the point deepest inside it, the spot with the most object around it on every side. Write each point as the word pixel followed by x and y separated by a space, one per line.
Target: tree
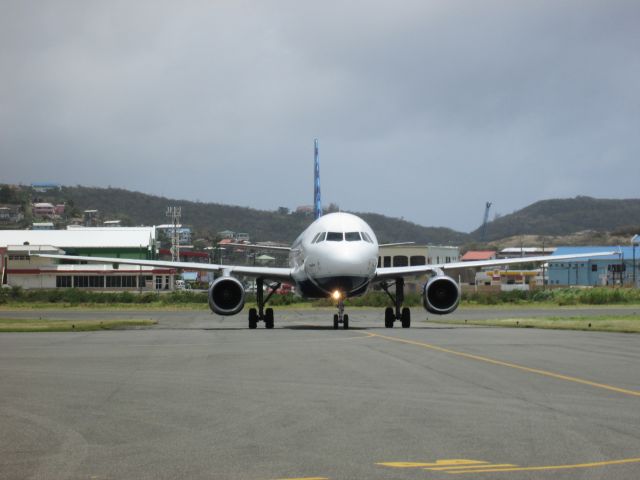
pixel 8 195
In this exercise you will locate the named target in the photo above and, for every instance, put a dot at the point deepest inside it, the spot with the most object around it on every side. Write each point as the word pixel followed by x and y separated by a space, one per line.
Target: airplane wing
pixel 395 244
pixel 257 246
pixel 384 273
pixel 271 273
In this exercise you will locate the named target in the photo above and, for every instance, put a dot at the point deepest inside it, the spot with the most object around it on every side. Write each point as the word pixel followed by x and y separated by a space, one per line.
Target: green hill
pixel 566 216
pixel 136 208
pixel 557 217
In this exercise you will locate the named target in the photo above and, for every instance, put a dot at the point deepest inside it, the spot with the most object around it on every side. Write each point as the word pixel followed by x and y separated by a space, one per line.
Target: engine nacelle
pixel 226 296
pixel 441 295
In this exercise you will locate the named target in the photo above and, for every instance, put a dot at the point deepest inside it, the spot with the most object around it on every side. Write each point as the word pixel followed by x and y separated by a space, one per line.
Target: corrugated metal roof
pixel 81 237
pixel 519 250
pixel 627 252
pixel 96 267
pixel 33 248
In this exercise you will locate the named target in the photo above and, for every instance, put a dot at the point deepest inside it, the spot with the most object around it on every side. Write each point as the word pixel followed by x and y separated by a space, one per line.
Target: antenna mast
pixel 174 214
pixel 483 236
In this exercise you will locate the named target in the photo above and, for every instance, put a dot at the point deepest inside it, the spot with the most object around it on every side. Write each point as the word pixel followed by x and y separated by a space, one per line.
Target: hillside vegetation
pixel 565 217
pixel 574 221
pixel 136 208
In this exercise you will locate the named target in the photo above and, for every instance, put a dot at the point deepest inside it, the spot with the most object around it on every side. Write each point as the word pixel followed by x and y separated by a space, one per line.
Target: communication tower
pixel 487 206
pixel 174 214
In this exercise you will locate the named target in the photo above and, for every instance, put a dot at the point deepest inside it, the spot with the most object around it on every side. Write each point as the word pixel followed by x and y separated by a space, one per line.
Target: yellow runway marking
pixel 550 467
pixel 456 462
pixel 459 466
pixel 305 478
pixel 475 468
pixel 480 358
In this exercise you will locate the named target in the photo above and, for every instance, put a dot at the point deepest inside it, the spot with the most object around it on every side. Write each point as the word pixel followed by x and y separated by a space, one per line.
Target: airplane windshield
pixel 335 236
pixel 352 236
pixel 319 237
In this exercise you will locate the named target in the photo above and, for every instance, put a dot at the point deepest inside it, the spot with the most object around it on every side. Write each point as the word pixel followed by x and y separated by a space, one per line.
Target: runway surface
pixel 203 397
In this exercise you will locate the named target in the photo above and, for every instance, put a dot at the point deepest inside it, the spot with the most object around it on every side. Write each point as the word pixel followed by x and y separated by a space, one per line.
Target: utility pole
pixel 174 214
pixel 634 242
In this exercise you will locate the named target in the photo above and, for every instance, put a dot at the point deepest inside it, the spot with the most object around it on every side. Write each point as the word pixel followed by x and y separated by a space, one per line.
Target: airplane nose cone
pixel 348 261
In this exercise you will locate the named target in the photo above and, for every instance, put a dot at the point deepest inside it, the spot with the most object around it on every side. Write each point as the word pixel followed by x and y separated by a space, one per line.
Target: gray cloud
pixel 424 109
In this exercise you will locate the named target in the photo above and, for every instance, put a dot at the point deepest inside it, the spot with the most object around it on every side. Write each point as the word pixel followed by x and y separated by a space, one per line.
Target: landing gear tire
pixel 268 318
pixel 336 323
pixel 389 317
pixel 406 318
pixel 403 315
pixel 253 318
pixel 345 322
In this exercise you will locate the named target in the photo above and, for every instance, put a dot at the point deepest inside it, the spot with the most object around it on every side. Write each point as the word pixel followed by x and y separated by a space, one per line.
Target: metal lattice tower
pixel 174 214
pixel 485 221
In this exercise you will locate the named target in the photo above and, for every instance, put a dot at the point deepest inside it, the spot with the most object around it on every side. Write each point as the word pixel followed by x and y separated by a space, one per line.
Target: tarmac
pixel 202 396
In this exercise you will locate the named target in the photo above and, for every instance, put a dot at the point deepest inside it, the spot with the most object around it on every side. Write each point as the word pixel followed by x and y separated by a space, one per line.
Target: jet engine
pixel 441 295
pixel 226 296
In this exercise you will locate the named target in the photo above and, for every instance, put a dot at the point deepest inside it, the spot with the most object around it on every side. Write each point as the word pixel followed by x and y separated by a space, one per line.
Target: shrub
pixel 147 297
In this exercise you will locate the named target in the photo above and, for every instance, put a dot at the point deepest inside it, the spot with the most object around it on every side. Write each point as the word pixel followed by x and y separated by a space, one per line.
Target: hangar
pixel 19 268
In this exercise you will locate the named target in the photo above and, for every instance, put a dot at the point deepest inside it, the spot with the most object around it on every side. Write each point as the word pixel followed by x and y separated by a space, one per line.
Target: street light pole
pixel 634 243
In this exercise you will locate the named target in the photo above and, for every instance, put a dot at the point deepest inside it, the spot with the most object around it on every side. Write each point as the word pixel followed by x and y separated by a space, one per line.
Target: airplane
pixel 334 257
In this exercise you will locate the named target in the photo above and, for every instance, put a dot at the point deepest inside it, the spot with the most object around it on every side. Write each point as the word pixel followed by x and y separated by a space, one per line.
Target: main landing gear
pixel 262 314
pixel 399 313
pixel 341 317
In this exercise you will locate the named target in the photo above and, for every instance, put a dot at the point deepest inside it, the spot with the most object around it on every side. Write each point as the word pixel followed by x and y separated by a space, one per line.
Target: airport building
pixel 619 269
pixel 410 255
pixel 19 268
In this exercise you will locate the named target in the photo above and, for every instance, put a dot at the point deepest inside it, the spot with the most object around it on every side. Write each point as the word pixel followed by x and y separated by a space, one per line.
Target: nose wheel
pixel 340 318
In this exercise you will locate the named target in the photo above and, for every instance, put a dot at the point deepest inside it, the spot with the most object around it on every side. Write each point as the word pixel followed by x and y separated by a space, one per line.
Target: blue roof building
pixel 616 269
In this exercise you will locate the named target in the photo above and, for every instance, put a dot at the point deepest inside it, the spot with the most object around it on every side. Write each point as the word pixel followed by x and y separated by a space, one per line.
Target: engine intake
pixel 226 296
pixel 441 295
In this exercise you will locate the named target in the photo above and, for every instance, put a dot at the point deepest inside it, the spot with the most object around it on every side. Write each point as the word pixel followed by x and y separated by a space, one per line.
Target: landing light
pixel 336 295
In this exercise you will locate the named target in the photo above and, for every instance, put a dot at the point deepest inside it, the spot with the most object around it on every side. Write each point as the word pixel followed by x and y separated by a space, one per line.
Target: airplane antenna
pixel 317 202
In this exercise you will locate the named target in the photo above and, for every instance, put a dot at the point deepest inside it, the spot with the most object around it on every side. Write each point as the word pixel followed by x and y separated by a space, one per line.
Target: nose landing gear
pixel 341 318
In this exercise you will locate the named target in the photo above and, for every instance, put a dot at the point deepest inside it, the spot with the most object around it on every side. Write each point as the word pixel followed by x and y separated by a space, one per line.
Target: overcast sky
pixel 423 109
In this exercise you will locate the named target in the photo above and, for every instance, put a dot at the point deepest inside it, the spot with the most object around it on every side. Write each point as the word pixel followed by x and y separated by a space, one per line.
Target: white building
pixel 410 255
pixel 20 268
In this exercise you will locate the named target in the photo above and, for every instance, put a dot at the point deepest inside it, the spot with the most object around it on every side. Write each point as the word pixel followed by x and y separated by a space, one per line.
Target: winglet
pixel 317 202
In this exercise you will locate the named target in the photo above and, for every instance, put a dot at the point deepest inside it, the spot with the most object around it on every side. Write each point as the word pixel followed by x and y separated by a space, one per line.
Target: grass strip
pixel 58 325
pixel 598 323
pixel 9 307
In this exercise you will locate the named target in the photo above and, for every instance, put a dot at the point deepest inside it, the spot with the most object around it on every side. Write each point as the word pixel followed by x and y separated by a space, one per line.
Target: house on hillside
pixel 11 214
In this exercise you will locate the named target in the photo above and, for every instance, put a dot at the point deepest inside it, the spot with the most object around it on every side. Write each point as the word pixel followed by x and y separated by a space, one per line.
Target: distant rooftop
pixel 626 252
pixel 479 255
pixel 82 237
pixel 526 250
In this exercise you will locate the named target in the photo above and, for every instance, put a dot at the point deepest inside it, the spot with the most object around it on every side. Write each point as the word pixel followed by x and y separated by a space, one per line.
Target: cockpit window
pixel 366 237
pixel 352 236
pixel 319 237
pixel 335 236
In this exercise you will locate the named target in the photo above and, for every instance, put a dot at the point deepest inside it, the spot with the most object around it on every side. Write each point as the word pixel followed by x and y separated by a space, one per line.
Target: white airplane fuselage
pixel 336 253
